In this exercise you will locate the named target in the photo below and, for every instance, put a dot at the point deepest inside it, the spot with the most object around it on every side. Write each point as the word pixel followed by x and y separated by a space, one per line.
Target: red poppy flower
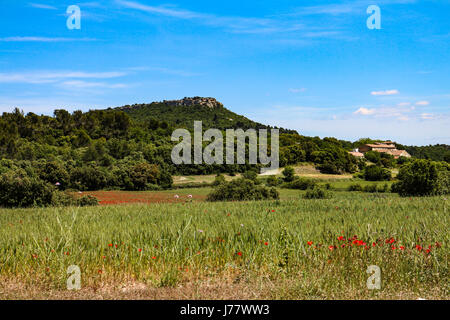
pixel 310 243
pixel 110 245
pixel 239 254
pixel 140 250
pixel 331 248
pixel 341 238
pixel 100 271
pixel 402 248
pixel 419 248
pixel 153 258
pixel 266 243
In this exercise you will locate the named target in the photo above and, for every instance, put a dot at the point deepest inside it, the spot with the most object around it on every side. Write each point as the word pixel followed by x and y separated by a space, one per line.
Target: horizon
pixel 314 68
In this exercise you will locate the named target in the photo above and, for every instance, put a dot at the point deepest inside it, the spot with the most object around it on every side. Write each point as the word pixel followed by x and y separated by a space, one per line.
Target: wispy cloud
pixel 346 7
pixel 247 25
pixel 79 84
pixel 422 103
pixel 385 92
pixel 427 116
pixel 42 6
pixel 43 39
pixel 297 90
pixel 44 77
pixel 365 111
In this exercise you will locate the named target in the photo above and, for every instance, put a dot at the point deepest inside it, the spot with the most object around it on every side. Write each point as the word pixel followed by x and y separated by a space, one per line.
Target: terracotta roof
pixel 383 146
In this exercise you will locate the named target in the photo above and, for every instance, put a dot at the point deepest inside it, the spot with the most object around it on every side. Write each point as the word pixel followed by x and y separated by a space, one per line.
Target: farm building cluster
pixel 384 147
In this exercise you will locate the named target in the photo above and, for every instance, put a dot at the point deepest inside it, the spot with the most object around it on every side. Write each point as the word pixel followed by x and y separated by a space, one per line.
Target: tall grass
pixel 295 240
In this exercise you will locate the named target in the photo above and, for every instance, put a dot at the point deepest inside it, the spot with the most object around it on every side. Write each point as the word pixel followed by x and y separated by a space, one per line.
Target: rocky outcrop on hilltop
pixel 195 101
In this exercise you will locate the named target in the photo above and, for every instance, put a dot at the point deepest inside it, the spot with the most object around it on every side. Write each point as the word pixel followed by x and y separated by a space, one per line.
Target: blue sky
pixel 313 66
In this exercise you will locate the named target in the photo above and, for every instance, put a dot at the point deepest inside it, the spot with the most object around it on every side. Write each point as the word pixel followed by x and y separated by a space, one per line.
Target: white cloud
pixel 297 90
pixel 385 92
pixel 422 103
pixel 51 77
pixel 42 6
pixel 364 111
pixel 427 116
pixel 404 104
pixel 234 24
pixel 43 39
pixel 84 85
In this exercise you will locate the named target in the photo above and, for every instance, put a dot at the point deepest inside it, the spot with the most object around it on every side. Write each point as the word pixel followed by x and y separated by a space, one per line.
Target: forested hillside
pixel 130 147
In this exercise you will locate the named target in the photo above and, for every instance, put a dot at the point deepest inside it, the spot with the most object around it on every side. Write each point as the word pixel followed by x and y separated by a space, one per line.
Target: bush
pixel 54 172
pixel 300 184
pixel 88 178
pixel 329 167
pixel 142 175
pixel 422 178
pixel 317 193
pixel 272 181
pixel 20 190
pixel 372 188
pixel 240 190
pixel 289 174
pixel 219 179
pixel 250 175
pixel 373 156
pixel 383 189
pixel 355 187
pixel 375 173
pixel 87 201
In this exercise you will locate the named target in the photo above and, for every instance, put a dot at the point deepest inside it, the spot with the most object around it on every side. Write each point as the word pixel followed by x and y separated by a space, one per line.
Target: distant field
pixel 199 194
pixel 306 170
pixel 287 249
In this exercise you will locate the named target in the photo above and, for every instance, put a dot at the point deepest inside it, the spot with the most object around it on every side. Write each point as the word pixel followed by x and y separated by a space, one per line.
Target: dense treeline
pixel 131 150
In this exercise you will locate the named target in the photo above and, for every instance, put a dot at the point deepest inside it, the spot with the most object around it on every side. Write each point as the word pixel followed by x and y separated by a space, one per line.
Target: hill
pixel 182 113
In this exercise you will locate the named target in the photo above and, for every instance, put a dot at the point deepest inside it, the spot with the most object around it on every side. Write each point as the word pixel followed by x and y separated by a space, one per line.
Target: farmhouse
pixel 385 147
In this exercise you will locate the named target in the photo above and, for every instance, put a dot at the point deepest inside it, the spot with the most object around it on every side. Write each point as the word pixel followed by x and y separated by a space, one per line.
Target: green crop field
pixel 288 249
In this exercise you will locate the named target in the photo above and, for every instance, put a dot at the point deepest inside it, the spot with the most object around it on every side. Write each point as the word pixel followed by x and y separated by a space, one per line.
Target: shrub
pixel 20 190
pixel 272 181
pixel 240 190
pixel 289 174
pixel 54 172
pixel 219 179
pixel 422 178
pixel 373 156
pixel 317 193
pixel 250 175
pixel 375 173
pixel 355 187
pixel 383 189
pixel 87 201
pixel 88 178
pixel 329 167
pixel 142 175
pixel 372 188
pixel 300 184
